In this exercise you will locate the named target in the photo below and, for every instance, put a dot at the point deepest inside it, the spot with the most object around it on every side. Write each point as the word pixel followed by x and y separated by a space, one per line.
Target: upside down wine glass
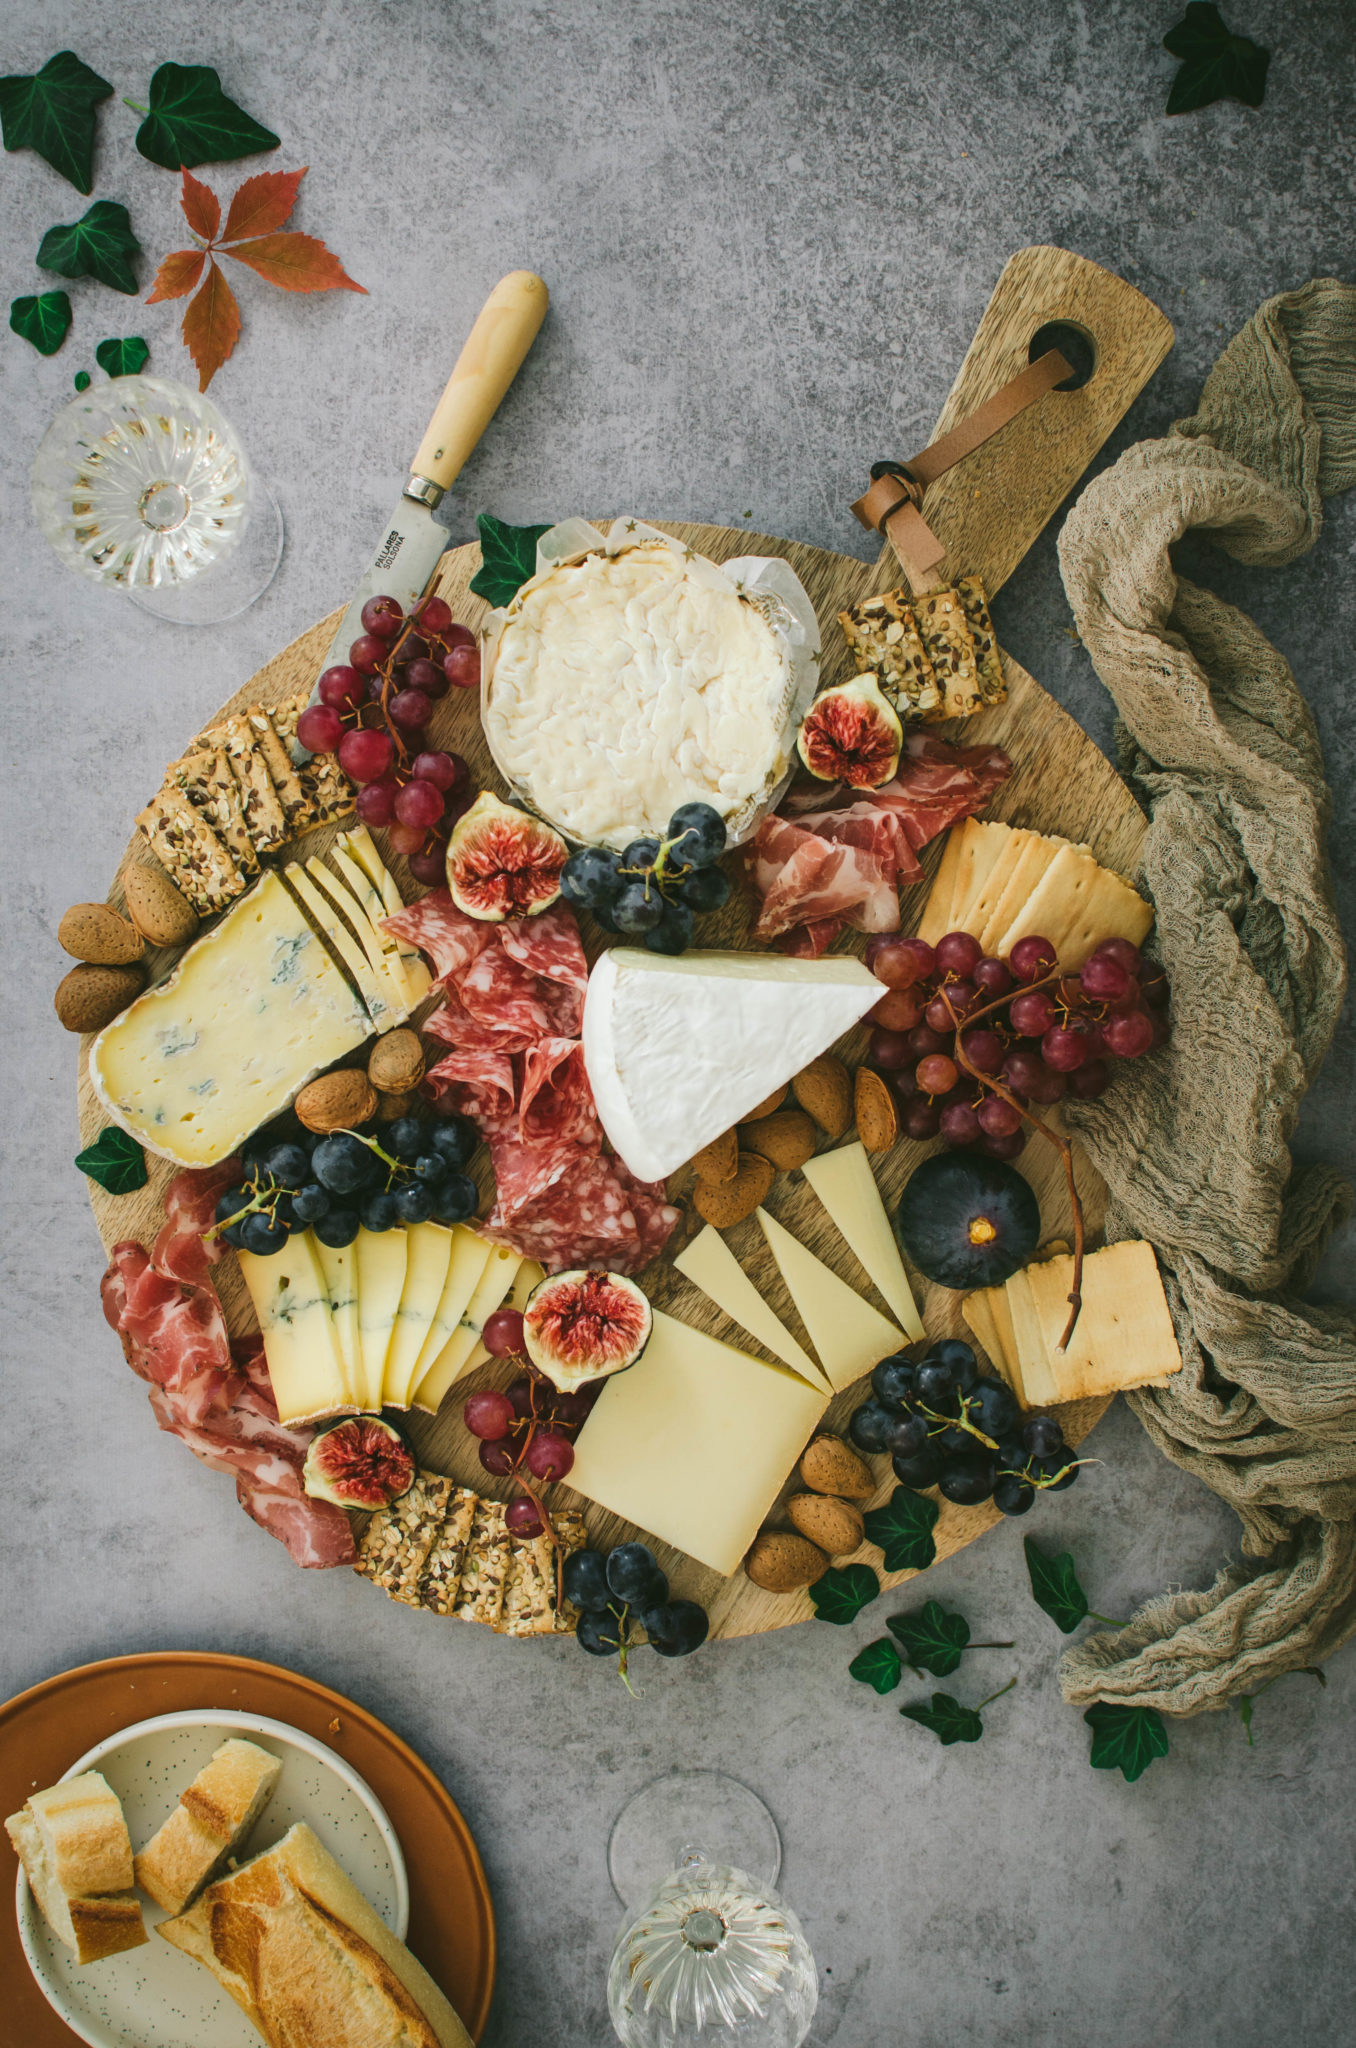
pixel 141 485
pixel 709 1956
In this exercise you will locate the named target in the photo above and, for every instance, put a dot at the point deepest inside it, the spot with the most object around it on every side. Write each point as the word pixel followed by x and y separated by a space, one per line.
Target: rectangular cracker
pixel 484 1570
pixel 394 1547
pixel 440 1580
pixel 978 1312
pixel 328 792
pixel 934 923
pixel 190 851
pixel 264 814
pixel 1124 1335
pixel 206 780
pixel 882 635
pixel 571 1534
pixel 529 1607
pixel 988 662
pixel 1075 904
pixel 951 650
pixel 1008 887
pixel 278 761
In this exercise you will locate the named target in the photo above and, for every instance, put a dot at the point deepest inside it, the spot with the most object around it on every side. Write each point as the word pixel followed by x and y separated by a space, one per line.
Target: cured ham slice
pixel 802 876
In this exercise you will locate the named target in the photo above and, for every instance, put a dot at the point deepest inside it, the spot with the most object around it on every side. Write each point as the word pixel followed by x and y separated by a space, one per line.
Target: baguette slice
pixel 72 1841
pixel 214 1815
pixel 304 1956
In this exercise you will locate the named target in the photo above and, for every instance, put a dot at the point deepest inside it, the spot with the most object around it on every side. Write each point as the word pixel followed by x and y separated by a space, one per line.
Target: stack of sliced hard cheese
pixel 1123 1337
pixel 1001 883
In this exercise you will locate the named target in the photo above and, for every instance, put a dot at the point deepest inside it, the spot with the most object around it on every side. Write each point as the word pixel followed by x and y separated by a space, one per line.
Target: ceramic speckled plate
pixel 153 1996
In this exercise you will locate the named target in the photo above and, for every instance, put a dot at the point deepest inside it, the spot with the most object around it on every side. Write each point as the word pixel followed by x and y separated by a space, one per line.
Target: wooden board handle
pixel 505 329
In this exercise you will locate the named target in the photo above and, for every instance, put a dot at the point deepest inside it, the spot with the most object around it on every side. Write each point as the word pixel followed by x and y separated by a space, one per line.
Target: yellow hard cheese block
pixel 846 1186
pixel 339 1269
pixel 709 1264
pixel 1124 1335
pixel 984 848
pixel 528 1276
pixel 849 1335
pixel 252 1011
pixel 466 1264
pixel 455 1357
pixel 429 1253
pixel 382 1258
pixel 936 919
pixel 292 1303
pixel 694 1442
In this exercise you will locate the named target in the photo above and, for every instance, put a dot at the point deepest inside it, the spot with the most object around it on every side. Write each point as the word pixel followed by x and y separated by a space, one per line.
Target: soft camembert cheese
pixel 626 684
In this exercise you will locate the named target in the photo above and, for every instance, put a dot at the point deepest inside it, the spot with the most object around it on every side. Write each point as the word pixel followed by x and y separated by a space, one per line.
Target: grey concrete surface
pixel 769 232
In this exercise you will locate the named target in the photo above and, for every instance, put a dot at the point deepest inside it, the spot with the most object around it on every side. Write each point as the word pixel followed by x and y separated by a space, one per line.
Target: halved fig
pixel 851 734
pixel 361 1462
pixel 502 862
pixel 581 1326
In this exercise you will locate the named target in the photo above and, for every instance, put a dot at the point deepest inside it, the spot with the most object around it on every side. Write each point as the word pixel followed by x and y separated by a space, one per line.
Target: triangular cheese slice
pixel 430 1253
pixel 454 1358
pixel 1034 1370
pixel 709 1264
pixel 980 1312
pixel 846 1186
pixel 382 1257
pixel 374 986
pixel 849 1335
pixel 382 966
pixel 528 1276
pixel 678 1050
pixel 360 846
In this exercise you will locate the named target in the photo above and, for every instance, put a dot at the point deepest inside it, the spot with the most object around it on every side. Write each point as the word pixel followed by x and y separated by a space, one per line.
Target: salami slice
pixel 481 1085
pixel 436 926
pixel 556 1101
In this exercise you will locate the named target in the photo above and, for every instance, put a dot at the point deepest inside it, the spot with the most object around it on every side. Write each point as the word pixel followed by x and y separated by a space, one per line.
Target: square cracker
pixel 1124 1335
pixel 440 1579
pixel 1075 904
pixel 190 851
pixel 882 635
pixel 988 662
pixel 951 650
pixel 484 1571
pixel 206 780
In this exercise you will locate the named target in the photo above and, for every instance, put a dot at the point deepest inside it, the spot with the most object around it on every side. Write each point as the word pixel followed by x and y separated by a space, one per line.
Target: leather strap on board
pixel 893 504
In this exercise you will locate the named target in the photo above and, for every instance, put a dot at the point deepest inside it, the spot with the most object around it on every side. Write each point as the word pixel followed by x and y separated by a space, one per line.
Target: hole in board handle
pixel 1075 344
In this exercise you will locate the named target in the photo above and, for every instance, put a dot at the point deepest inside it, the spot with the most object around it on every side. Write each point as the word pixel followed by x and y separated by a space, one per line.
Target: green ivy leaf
pixel 843 1592
pixel 81 380
pixel 1055 1587
pixel 933 1640
pixel 508 558
pixel 1216 65
pixel 116 1161
pixel 903 1529
pixel 123 357
pixel 100 244
pixel 1126 1739
pixel 190 121
pixel 878 1666
pixel 44 320
pixel 948 1719
pixel 53 113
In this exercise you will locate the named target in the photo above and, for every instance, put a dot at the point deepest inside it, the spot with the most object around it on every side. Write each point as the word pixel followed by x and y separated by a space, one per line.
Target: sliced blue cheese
pixel 301 1342
pixel 383 965
pixel 361 846
pixel 374 985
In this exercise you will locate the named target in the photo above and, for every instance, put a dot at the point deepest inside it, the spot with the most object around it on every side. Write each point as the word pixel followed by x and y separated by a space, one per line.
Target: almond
pixel 90 997
pixel 96 933
pixel 874 1107
pixel 824 1091
pixel 788 1138
pixel 390 1107
pixel 779 1561
pixel 157 909
pixel 718 1161
pixel 831 1466
pixel 396 1062
pixel 336 1102
pixel 766 1106
pixel 724 1203
pixel 835 1525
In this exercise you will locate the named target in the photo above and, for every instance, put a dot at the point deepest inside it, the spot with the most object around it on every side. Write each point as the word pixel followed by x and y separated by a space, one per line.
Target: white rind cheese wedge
pixel 694 1442
pixel 253 1011
pixel 846 1187
pixel 292 1302
pixel 678 1050
pixel 429 1247
pixel 709 1264
pixel 455 1357
pixel 849 1335
pixel 382 1258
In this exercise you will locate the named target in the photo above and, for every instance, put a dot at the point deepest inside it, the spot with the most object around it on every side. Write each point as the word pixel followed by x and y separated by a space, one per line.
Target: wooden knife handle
pixel 505 329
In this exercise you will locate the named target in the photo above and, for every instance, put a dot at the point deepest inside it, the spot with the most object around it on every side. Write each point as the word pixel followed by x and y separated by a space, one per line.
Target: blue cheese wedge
pixel 251 1013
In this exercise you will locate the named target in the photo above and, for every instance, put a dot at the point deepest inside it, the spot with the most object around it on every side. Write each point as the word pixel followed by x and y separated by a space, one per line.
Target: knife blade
pixel 412 539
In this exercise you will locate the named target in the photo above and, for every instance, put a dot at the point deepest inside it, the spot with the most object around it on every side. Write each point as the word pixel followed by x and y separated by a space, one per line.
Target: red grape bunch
pixel 372 712
pixel 526 1430
pixel 968 1043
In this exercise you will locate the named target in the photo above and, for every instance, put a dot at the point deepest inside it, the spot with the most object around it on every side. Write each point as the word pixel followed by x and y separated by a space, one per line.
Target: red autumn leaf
pixel 211 325
pixel 202 208
pixel 262 204
pixel 296 263
pixel 177 275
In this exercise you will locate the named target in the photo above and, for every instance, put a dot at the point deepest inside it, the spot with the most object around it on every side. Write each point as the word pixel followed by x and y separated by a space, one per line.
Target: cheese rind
pixel 709 1264
pixel 292 1302
pixel 678 1050
pixel 849 1335
pixel 847 1188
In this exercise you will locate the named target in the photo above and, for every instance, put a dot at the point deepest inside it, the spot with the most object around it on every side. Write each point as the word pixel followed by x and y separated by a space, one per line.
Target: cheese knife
pixel 411 539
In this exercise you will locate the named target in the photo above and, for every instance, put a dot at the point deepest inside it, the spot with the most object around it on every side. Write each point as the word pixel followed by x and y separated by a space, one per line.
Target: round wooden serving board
pixel 1060 782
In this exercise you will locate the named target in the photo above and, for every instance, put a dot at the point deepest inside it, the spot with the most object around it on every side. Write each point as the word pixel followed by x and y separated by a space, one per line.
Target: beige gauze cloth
pixel 1193 1143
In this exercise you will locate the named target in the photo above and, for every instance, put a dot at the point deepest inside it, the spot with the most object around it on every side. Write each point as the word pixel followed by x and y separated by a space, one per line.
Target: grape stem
pixel 961 1421
pixel 1060 1143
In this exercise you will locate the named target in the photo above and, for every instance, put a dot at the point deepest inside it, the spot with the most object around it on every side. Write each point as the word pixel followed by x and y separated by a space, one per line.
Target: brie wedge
pixel 678 1050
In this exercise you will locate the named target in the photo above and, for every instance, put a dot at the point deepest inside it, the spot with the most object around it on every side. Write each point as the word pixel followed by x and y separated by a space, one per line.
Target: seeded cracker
pixel 329 793
pixel 882 635
pixel 396 1542
pixel 951 648
pixel 440 1580
pixel 989 663
pixel 485 1567
pixel 529 1590
pixel 572 1535
pixel 206 780
pixel 278 761
pixel 263 812
pixel 190 851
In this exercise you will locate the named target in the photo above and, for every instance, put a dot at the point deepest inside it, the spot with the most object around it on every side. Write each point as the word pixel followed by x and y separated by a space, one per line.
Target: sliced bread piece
pixel 73 1843
pixel 214 1815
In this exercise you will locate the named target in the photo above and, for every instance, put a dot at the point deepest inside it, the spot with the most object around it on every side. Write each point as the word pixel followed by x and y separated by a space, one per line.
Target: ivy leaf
pixel 1055 1587
pixel 1126 1739
pixel 190 121
pixel 1216 64
pixel 100 244
pixel 933 1640
pixel 843 1592
pixel 116 1161
pixel 508 558
pixel 123 357
pixel 44 320
pixel 948 1719
pixel 295 263
pixel 81 380
pixel 53 113
pixel 211 325
pixel 903 1526
pixel 878 1666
